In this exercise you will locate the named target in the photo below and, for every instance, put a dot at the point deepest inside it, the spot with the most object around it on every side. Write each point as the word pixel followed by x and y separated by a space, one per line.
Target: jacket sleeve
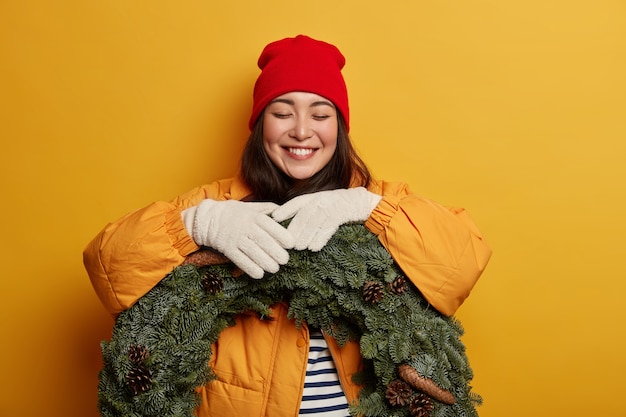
pixel 131 255
pixel 440 249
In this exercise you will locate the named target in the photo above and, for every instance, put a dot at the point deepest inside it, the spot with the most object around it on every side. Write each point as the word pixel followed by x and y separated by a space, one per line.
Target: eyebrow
pixel 314 104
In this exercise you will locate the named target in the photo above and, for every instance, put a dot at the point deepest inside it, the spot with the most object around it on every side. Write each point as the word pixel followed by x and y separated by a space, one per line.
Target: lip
pixel 300 153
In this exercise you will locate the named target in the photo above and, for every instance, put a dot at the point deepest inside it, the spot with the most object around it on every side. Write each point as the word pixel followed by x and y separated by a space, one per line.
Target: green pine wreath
pixel 160 347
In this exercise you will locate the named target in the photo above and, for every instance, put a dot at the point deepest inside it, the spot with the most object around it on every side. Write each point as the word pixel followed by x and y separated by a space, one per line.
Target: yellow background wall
pixel 514 109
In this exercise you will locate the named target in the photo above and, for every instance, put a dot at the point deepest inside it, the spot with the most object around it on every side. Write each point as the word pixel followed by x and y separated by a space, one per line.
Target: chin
pixel 302 176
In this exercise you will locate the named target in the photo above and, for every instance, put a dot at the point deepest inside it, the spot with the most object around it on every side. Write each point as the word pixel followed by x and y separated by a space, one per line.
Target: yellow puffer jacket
pixel 261 367
pixel 261 364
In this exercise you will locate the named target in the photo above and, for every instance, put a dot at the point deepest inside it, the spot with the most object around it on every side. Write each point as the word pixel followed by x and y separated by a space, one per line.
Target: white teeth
pixel 300 151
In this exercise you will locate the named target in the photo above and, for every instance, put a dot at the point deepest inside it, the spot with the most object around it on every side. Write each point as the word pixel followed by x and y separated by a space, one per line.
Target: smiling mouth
pixel 301 151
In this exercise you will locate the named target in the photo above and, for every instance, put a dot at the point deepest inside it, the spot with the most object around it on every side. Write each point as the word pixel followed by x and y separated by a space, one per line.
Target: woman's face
pixel 300 133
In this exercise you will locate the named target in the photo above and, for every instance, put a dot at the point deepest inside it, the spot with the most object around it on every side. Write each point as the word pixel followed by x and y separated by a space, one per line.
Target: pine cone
pixel 398 393
pixel 212 283
pixel 426 385
pixel 139 379
pixel 373 292
pixel 236 272
pixel 420 405
pixel 138 354
pixel 205 257
pixel 398 286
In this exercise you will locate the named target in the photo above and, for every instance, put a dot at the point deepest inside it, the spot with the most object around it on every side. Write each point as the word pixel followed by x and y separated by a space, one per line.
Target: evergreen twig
pixel 178 321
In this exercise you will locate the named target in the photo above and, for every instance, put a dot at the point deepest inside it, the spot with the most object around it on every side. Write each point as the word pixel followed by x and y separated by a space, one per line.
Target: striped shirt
pixel 322 395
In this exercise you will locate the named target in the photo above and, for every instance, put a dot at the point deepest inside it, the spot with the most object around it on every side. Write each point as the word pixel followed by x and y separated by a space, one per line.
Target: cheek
pixel 270 137
pixel 329 138
pixel 270 130
pixel 271 149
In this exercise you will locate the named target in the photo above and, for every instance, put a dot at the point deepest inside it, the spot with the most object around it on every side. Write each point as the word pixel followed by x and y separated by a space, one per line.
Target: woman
pixel 298 164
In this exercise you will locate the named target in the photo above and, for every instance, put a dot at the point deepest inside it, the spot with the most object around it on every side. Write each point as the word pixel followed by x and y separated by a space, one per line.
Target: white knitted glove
pixel 317 216
pixel 242 231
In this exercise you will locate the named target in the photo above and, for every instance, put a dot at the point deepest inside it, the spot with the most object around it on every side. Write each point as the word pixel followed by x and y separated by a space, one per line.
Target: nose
pixel 302 129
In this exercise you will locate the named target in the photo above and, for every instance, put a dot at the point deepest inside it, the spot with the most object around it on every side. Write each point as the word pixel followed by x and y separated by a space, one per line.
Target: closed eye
pixel 281 115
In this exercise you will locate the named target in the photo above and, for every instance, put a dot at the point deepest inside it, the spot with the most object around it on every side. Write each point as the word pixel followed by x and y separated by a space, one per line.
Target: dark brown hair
pixel 268 183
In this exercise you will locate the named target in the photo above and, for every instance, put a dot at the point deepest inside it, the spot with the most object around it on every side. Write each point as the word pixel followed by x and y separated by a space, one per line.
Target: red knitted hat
pixel 300 64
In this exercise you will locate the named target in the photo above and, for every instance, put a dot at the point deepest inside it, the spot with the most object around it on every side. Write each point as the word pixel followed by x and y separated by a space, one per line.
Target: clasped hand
pixel 257 243
pixel 316 217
